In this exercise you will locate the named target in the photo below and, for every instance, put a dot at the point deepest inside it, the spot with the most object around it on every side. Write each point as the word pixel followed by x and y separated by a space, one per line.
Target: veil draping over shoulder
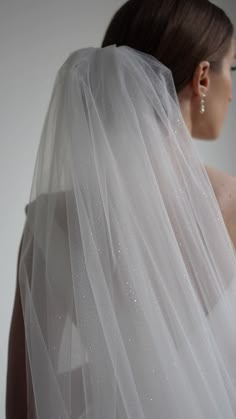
pixel 127 272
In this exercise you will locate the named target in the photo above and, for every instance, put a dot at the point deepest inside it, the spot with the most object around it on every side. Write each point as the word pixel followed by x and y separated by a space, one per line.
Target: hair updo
pixel 179 33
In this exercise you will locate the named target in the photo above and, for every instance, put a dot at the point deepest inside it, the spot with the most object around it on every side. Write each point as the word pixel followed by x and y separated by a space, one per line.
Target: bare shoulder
pixel 224 186
pixel 222 182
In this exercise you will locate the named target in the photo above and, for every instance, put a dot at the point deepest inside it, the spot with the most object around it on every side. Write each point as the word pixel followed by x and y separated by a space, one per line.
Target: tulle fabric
pixel 127 272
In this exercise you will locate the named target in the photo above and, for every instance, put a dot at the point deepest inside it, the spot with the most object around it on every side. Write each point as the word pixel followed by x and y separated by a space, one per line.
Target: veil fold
pixel 127 272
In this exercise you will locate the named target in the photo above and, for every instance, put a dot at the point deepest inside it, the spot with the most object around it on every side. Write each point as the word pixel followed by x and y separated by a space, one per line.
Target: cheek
pixel 230 88
pixel 224 94
pixel 224 84
pixel 217 109
pixel 228 85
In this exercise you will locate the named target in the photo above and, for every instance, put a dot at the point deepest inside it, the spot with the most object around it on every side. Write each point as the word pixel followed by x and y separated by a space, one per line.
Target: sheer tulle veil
pixel 127 273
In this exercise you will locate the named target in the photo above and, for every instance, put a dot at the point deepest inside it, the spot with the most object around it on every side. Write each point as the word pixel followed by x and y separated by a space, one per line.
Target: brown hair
pixel 179 33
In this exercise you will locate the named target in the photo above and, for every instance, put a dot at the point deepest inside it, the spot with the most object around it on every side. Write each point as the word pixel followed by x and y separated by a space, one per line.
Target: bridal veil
pixel 127 273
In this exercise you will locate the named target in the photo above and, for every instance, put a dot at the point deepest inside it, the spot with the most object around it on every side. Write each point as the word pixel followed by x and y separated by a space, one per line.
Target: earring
pixel 203 108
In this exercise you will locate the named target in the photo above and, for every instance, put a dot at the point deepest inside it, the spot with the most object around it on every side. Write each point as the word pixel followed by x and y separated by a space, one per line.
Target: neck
pixel 185 107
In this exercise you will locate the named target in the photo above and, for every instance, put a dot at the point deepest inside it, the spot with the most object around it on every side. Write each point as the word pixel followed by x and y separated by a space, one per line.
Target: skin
pixel 16 390
pixel 218 90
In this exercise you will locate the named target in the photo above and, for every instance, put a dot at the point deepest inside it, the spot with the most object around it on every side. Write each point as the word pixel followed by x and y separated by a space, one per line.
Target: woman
pixel 126 274
pixel 150 27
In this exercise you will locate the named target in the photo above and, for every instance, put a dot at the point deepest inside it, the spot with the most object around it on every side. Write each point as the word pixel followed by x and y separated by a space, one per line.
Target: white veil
pixel 127 273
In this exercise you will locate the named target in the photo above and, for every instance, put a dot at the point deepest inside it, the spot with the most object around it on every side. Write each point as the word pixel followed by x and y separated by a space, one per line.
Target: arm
pixel 16 390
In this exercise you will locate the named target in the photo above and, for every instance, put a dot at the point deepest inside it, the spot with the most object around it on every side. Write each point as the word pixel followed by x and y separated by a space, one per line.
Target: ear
pixel 201 78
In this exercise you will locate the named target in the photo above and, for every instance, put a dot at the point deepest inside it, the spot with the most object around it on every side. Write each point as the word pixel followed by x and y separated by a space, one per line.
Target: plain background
pixel 36 38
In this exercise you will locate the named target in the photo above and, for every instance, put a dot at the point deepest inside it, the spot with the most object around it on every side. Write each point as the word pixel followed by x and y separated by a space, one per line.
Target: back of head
pixel 179 33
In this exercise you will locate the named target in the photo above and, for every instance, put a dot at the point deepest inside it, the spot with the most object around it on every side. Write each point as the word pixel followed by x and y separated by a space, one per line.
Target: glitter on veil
pixel 127 272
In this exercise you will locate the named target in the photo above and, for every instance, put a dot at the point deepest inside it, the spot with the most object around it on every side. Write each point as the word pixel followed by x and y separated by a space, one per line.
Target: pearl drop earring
pixel 203 108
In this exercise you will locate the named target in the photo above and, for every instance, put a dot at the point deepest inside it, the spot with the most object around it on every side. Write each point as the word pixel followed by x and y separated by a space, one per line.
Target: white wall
pixel 36 37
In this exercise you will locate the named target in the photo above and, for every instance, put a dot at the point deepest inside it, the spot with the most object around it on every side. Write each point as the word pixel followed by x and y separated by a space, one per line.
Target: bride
pixel 125 299
pixel 200 58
